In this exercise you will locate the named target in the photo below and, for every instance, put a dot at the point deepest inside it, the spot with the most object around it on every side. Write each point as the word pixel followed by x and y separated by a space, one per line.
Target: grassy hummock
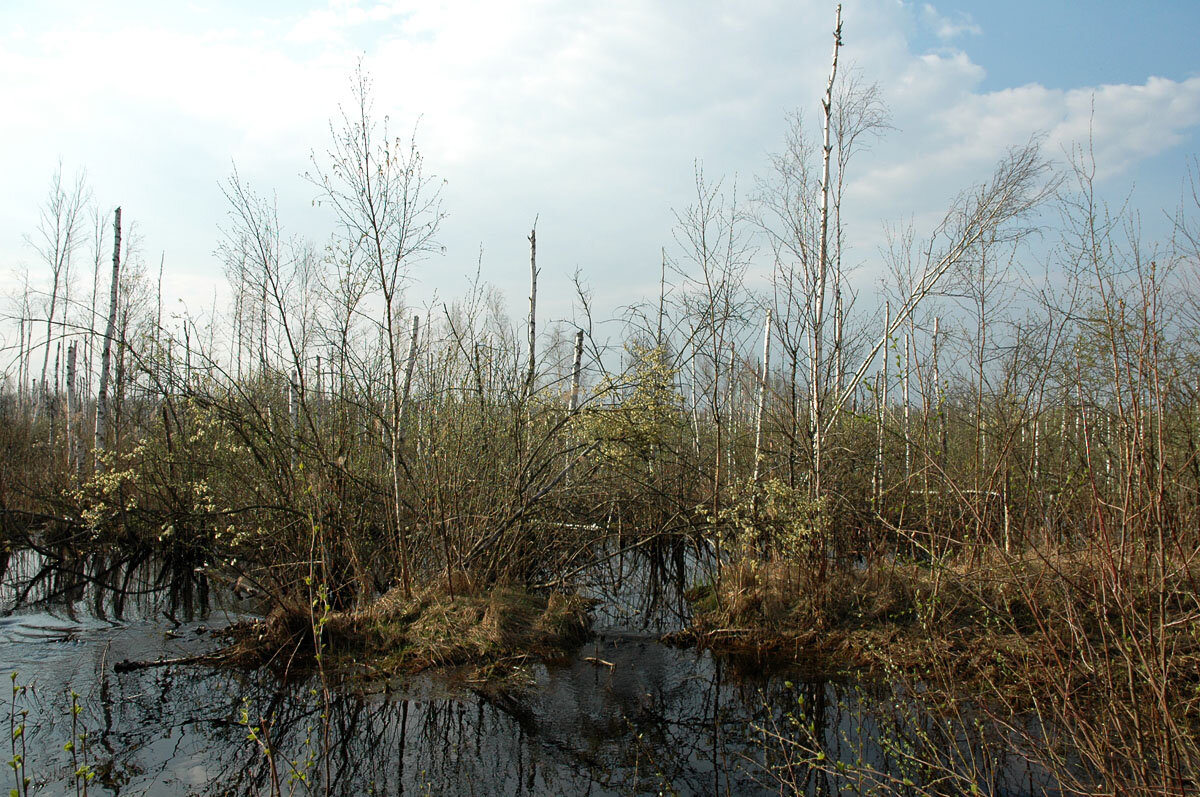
pixel 489 629
pixel 977 617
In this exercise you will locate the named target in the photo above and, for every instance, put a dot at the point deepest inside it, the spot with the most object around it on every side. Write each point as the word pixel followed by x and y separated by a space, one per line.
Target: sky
pixel 588 116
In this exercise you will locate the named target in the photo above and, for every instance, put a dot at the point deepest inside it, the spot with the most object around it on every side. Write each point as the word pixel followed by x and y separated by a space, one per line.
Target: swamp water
pixel 622 714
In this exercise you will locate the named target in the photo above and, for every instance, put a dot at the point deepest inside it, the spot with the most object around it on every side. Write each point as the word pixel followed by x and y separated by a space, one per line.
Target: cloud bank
pixel 589 114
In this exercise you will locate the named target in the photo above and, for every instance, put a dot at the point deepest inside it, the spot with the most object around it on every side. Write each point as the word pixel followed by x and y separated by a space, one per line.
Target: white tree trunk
pixel 816 377
pixel 576 366
pixel 908 348
pixel 72 410
pixel 294 413
pixel 531 376
pixel 106 350
pixel 761 411
pixel 762 400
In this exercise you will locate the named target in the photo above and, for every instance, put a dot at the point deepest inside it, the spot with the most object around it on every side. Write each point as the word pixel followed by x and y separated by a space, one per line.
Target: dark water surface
pixel 623 714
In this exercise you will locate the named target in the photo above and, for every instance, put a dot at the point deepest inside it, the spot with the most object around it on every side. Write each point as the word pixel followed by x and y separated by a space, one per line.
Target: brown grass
pixel 1086 661
pixel 431 629
pixel 989 616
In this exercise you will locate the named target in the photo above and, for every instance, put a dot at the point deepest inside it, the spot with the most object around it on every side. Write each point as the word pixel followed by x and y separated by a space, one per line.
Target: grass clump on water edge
pixel 829 625
pixel 986 613
pixel 1082 662
pixel 434 627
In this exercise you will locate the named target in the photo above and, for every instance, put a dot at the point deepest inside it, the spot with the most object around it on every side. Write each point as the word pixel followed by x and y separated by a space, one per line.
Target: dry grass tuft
pixel 989 615
pixel 430 629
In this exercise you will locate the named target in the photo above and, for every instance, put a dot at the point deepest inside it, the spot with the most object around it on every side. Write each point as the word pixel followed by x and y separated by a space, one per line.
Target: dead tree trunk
pixel 294 413
pixel 816 375
pixel 940 398
pixel 21 362
pixel 761 411
pixel 106 351
pixel 72 410
pixel 877 473
pixel 409 365
pixel 883 407
pixel 531 376
pixel 905 397
pixel 573 401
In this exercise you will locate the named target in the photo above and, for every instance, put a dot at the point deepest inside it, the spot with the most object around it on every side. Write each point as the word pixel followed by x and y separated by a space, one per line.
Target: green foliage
pixel 639 411
pixel 772 519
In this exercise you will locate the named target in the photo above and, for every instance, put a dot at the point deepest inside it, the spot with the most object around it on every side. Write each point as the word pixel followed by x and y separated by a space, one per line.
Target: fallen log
pixel 128 665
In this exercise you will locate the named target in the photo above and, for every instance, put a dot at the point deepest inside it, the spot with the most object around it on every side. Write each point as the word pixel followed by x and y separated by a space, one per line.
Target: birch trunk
pixel 883 401
pixel 533 274
pixel 409 365
pixel 573 399
pixel 762 397
pixel 72 410
pixel 940 398
pixel 761 411
pixel 816 381
pixel 576 367
pixel 294 413
pixel 106 350
pixel 908 346
pixel 877 475
pixel 21 363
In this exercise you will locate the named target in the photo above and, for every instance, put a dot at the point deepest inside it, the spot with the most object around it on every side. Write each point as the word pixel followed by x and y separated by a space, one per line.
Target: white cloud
pixel 970 132
pixel 1131 122
pixel 589 113
pixel 947 28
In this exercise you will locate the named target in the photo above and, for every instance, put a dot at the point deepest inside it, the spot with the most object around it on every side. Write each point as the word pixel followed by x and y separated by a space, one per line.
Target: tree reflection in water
pixel 658 719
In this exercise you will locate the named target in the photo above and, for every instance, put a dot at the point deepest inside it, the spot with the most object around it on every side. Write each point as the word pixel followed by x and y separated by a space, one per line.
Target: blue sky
pixel 588 115
pixel 1068 44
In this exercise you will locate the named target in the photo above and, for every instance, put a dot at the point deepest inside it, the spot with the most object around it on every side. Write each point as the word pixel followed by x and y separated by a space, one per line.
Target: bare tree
pixel 531 375
pixel 390 210
pixel 58 237
pixel 716 251
pixel 992 211
pixel 264 266
pixel 817 334
pixel 799 209
pixel 99 247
